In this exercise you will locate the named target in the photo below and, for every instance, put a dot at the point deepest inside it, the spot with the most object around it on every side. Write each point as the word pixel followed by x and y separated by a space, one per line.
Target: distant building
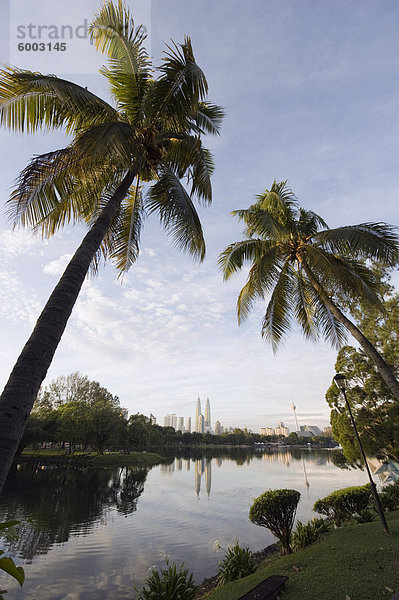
pixel 218 428
pixel 308 431
pixel 153 420
pixel 180 424
pixel 207 420
pixel 188 425
pixel 267 431
pixel 198 416
pixel 170 421
pixel 281 430
pixel 200 424
pixel 125 413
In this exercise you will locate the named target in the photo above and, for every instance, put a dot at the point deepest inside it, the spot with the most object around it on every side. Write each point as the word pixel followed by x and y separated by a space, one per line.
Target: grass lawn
pixel 357 562
pixel 134 459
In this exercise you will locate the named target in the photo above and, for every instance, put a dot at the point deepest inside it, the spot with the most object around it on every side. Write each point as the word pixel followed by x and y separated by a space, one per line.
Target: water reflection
pixel 93 534
pixel 54 502
pixel 202 478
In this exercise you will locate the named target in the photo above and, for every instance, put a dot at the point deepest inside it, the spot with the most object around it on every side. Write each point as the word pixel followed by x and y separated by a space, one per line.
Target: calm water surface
pixel 93 534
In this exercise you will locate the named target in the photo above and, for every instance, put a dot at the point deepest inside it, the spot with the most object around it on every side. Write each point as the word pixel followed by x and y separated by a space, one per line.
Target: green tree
pixel 375 408
pixel 309 270
pixel 72 418
pixel 153 133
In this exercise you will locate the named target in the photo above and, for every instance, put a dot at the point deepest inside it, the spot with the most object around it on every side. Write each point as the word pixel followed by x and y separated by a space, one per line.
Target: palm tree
pixel 102 178
pixel 309 271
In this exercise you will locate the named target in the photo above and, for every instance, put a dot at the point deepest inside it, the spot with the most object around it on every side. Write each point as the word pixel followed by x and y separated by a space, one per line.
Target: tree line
pixel 74 413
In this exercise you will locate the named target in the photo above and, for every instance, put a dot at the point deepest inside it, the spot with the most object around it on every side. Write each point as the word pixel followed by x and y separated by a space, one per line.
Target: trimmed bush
pixel 276 510
pixel 169 584
pixel 308 534
pixel 390 496
pixel 237 563
pixel 343 505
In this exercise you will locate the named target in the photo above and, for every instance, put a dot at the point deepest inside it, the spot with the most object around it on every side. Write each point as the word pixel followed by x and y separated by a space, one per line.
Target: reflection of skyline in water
pixel 203 466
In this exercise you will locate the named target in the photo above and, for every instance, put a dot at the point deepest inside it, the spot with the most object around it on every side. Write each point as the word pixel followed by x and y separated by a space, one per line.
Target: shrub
pixel 390 496
pixel 276 510
pixel 343 505
pixel 237 563
pixel 169 584
pixel 6 563
pixel 308 534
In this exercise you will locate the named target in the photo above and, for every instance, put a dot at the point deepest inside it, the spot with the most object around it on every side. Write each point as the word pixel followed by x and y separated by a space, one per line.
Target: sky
pixel 311 93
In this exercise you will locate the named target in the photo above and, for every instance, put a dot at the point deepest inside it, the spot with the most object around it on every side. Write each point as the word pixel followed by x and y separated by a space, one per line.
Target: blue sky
pixel 311 95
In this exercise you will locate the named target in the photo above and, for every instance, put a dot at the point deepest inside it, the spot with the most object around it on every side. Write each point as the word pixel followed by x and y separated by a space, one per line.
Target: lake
pixel 92 534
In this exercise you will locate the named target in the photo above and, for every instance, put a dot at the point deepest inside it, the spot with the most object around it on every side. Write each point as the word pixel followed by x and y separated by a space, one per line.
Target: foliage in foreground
pixel 276 510
pixel 346 504
pixel 357 561
pixel 390 496
pixel 237 563
pixel 6 563
pixel 171 583
pixel 306 535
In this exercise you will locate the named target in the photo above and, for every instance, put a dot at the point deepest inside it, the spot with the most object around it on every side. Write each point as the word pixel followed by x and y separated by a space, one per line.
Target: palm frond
pixel 114 34
pixel 181 86
pixel 374 241
pixel 332 330
pixel 122 243
pixel 117 140
pixel 200 176
pixel 31 101
pixel 177 213
pixel 304 306
pixel 56 188
pixel 236 255
pixel 278 317
pixel 208 118
pixel 309 223
pixel 261 223
pixel 345 274
pixel 281 202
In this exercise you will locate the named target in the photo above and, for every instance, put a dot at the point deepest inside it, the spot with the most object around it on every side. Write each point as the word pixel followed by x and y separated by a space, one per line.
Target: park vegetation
pixel 375 408
pixel 276 510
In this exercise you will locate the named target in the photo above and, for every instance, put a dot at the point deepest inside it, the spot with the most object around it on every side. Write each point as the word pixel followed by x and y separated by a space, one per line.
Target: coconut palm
pixel 312 273
pixel 152 134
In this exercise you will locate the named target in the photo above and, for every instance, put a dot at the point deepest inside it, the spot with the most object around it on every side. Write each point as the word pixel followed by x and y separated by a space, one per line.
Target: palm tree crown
pixel 152 133
pixel 124 161
pixel 307 269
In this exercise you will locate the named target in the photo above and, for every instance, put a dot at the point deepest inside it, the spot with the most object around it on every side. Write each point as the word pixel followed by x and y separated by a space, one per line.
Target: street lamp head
pixel 340 381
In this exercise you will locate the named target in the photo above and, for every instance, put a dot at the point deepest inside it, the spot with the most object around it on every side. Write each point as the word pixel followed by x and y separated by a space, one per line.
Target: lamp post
pixel 340 381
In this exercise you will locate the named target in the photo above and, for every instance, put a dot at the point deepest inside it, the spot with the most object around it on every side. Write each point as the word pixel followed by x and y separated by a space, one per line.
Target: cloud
pixel 57 267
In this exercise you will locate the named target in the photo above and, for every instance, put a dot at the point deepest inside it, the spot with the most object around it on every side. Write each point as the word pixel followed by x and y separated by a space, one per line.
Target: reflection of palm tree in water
pixel 60 501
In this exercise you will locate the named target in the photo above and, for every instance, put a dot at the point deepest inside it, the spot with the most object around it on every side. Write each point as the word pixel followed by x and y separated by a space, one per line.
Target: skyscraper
pixel 207 422
pixel 198 416
pixel 180 424
pixel 170 421
pixel 188 424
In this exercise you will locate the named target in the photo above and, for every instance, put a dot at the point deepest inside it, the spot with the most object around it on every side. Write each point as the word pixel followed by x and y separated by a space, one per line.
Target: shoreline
pixel 210 583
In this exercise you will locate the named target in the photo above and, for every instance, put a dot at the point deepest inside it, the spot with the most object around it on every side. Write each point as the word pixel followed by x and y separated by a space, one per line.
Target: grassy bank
pixel 134 459
pixel 357 562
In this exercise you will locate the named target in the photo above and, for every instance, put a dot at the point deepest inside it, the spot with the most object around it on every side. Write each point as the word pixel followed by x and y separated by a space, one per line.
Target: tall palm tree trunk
pixel 31 367
pixel 383 368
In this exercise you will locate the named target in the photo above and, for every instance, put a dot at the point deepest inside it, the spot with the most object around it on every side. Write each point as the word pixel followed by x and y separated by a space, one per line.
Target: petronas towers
pixel 202 423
